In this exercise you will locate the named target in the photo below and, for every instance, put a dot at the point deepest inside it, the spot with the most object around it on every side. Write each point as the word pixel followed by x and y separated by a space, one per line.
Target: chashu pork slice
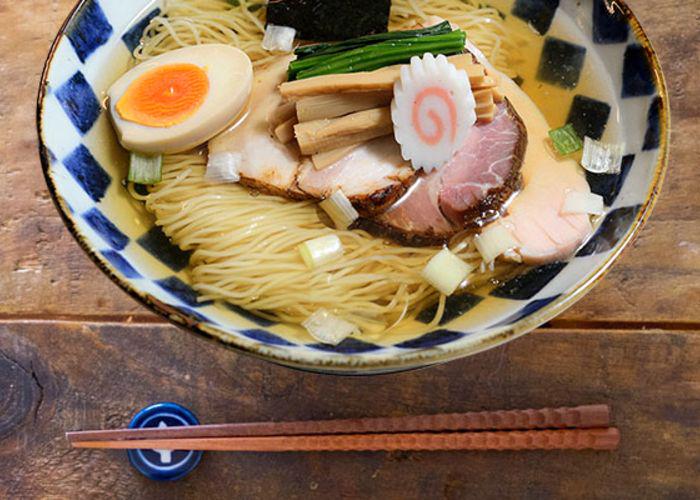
pixel 373 176
pixel 466 192
pixel 535 218
pixel 265 163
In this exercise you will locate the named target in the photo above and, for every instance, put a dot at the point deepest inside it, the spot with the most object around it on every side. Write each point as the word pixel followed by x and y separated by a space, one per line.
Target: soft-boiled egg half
pixel 180 99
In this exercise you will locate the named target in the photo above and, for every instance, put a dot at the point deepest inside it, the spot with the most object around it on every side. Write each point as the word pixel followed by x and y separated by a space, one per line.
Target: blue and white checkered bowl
pixel 84 167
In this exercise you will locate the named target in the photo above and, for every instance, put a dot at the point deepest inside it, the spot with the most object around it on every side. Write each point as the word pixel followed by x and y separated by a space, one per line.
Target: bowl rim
pixel 342 365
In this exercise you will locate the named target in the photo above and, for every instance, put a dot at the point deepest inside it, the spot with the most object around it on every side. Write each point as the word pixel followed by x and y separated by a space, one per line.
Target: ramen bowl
pixel 84 168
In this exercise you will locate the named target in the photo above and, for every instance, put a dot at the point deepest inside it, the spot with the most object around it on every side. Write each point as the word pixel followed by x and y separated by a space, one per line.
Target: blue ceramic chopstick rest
pixel 164 465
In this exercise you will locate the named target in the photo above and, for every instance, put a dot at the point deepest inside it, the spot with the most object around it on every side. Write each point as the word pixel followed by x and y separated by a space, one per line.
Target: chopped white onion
pixel 601 158
pixel 445 271
pixel 278 38
pixel 583 203
pixel 321 250
pixel 223 167
pixel 340 210
pixel 327 328
pixel 493 241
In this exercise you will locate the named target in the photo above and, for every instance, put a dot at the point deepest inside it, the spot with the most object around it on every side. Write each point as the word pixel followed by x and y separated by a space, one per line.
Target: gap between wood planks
pixel 152 319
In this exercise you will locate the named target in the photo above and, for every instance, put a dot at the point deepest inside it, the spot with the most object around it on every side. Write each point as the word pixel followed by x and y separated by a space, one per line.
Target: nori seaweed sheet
pixel 325 20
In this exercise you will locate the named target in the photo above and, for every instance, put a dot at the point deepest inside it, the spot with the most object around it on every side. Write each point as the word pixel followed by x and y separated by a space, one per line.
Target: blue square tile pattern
pixel 455 306
pixel 265 337
pixel 538 13
pixel 50 155
pixel 561 62
pixel 528 284
pixel 347 346
pixel 159 246
pixel 588 116
pixel 529 308
pixel 652 136
pixel 96 34
pixel 431 339
pixel 121 264
pixel 199 317
pixel 89 30
pixel 87 172
pixel 614 227
pixel 79 102
pixel 178 288
pixel 637 77
pixel 609 23
pixel 106 229
pixel 253 318
pixel 609 185
pixel 132 37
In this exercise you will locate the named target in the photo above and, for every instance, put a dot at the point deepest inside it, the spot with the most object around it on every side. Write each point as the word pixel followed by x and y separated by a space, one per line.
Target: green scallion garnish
pixel 353 43
pixel 145 169
pixel 565 139
pixel 378 55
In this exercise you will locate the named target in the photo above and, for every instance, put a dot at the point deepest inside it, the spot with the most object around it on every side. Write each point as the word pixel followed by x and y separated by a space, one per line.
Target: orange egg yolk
pixel 164 96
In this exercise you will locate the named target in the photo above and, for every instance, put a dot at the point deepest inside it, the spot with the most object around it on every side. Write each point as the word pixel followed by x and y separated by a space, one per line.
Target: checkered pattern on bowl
pixel 85 167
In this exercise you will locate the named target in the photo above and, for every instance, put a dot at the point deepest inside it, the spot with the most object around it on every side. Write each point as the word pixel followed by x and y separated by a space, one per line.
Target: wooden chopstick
pixel 577 439
pixel 581 417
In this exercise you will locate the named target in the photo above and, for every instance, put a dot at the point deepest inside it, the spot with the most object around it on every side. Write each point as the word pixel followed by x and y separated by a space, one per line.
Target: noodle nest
pixel 244 246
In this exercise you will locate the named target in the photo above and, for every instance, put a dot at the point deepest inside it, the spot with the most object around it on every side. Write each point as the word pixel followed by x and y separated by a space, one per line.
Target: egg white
pixel 230 74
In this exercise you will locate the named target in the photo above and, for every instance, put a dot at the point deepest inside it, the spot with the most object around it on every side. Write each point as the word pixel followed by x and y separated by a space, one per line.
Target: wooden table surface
pixel 76 352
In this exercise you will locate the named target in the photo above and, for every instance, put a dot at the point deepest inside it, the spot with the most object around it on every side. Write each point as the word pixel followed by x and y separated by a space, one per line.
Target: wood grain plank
pixel 42 269
pixel 56 377
pixel 44 273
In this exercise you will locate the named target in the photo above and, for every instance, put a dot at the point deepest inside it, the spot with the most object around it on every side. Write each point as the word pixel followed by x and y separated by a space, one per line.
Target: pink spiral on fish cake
pixel 432 111
pixel 443 95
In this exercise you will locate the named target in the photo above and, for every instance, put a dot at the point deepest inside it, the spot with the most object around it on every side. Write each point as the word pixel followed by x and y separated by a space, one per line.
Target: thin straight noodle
pixel 269 273
pixel 245 248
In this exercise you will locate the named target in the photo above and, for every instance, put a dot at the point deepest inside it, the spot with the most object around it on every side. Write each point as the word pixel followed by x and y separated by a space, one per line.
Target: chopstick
pixel 579 417
pixel 577 439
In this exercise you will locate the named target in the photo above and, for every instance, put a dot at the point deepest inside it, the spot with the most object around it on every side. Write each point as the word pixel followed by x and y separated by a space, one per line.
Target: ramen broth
pixel 553 102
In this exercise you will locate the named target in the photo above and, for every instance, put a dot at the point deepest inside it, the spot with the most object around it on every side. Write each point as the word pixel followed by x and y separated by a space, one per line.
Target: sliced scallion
pixel 328 328
pixel 340 210
pixel 601 158
pixel 321 250
pixel 446 271
pixel 145 169
pixel 493 241
pixel 565 139
pixel 223 167
pixel 278 38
